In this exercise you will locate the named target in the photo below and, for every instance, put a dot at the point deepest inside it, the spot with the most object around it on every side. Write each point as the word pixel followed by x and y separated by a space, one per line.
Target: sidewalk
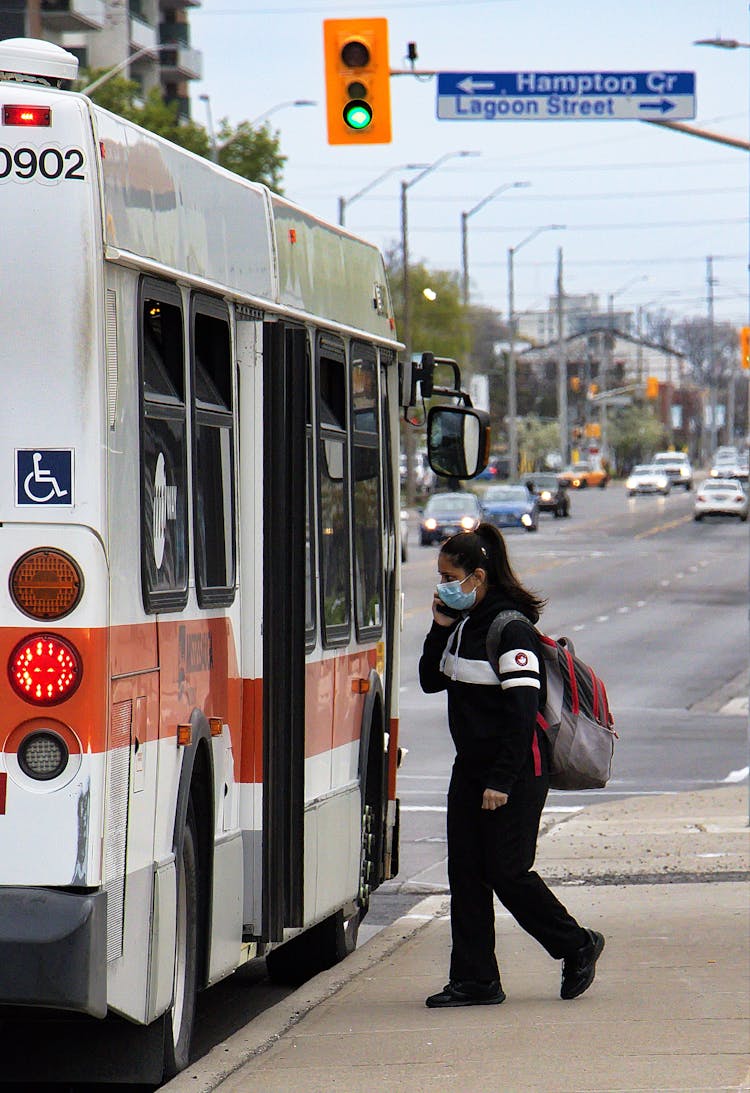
pixel 664 878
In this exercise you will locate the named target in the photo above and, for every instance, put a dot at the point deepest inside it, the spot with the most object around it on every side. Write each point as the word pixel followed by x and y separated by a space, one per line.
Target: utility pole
pixel 710 282
pixel 562 364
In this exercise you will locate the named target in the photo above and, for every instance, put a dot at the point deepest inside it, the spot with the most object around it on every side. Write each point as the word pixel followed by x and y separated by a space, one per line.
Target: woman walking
pixel 500 778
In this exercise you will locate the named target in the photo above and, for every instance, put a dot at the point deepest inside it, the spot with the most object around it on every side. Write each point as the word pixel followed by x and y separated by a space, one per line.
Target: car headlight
pixel 526 520
pixel 546 495
pixel 430 523
pixel 713 473
pixel 629 484
pixel 468 523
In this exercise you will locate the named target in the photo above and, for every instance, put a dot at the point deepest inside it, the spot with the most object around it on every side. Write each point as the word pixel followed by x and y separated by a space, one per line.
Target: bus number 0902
pixel 50 163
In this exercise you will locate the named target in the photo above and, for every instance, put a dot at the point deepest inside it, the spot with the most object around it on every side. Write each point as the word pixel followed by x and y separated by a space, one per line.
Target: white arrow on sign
pixel 470 85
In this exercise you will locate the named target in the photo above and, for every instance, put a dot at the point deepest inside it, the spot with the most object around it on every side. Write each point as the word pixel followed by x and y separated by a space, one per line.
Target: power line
pixel 645 225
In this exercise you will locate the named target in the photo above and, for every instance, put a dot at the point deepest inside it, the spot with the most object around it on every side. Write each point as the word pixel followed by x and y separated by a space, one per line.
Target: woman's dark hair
pixel 485 549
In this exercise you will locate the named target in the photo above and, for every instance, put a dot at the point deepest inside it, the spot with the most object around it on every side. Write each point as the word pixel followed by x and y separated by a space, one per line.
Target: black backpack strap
pixel 495 633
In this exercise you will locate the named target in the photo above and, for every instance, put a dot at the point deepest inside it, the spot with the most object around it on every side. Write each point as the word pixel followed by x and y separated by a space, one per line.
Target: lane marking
pixel 663 527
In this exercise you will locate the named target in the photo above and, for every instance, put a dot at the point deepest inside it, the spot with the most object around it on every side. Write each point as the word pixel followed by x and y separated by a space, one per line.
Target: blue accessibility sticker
pixel 44 476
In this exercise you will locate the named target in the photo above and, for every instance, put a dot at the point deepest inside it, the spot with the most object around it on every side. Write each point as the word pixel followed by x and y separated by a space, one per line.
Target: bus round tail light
pixel 44 669
pixel 45 584
pixel 43 755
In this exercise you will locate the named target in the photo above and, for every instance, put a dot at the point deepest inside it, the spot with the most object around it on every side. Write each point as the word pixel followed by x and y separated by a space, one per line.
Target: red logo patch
pixel 522 659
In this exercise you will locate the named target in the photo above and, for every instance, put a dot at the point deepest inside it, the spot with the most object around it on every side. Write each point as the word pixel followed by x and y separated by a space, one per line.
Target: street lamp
pixel 722 43
pixel 512 408
pixel 406 329
pixel 605 367
pixel 211 131
pixel 280 106
pixel 642 310
pixel 344 202
pixel 611 323
pixel 464 232
pixel 124 64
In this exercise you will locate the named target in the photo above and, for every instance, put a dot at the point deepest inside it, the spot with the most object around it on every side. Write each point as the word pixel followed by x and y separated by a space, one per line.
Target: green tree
pixel 535 439
pixel 437 324
pixel 634 434
pixel 252 153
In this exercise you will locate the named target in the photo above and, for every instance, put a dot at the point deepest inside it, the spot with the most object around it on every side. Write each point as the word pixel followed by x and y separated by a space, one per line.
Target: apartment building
pixel 154 34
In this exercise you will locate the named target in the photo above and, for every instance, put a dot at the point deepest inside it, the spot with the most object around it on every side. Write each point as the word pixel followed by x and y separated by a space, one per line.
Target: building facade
pixel 153 34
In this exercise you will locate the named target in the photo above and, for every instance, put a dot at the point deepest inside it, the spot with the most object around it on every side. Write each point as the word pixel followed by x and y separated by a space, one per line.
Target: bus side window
pixel 213 454
pixel 333 552
pixel 366 492
pixel 164 540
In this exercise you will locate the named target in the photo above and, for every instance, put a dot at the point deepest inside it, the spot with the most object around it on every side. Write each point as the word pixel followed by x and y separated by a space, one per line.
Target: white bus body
pixel 199 431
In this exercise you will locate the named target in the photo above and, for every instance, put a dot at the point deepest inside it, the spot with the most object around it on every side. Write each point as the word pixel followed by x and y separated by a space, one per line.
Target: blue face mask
pixel 452 596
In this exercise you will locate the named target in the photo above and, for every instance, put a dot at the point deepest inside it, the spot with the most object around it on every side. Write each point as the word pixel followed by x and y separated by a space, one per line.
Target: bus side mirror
pixel 458 441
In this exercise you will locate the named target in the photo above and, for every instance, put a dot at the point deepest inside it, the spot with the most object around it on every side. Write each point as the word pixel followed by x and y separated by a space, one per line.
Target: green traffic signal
pixel 357 114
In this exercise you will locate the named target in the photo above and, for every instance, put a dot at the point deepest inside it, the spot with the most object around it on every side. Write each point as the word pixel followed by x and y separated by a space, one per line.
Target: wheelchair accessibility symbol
pixel 44 477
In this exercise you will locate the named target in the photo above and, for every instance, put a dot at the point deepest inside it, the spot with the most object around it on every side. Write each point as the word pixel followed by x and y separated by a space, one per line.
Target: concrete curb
pixel 264 1030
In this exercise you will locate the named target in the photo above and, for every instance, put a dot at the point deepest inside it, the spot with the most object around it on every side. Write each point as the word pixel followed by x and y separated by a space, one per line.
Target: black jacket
pixel 492 722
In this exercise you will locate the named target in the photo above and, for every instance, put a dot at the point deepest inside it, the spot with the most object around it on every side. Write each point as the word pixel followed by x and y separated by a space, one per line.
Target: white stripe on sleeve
pixel 519 660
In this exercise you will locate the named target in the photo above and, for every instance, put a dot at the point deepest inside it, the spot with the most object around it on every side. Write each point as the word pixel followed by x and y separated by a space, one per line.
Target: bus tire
pixel 178 1025
pixel 314 950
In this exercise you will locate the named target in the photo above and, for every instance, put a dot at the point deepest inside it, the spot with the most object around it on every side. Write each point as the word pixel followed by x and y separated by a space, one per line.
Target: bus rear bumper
pixel 53 949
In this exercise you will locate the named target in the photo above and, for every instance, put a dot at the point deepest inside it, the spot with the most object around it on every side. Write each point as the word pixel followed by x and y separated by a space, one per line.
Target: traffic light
pixel 652 387
pixel 575 384
pixel 745 346
pixel 358 75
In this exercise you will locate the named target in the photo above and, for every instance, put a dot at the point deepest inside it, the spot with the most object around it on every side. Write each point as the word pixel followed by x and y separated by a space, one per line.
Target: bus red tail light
pixel 27 115
pixel 45 669
pixel 45 584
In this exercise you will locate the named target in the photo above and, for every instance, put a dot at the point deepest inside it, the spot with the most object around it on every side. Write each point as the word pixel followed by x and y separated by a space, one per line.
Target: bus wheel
pixel 313 951
pixel 178 1027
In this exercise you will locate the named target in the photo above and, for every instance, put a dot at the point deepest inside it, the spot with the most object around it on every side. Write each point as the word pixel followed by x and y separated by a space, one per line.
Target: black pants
pixel 493 851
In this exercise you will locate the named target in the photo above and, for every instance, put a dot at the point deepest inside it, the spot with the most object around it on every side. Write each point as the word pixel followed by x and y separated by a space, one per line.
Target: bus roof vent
pixel 30 60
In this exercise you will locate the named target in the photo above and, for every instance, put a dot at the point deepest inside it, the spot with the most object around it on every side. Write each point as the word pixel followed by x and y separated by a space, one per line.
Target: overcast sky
pixel 636 200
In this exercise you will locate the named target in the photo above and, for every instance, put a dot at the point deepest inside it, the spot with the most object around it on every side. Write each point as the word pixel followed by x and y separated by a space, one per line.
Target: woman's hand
pixel 438 609
pixel 493 798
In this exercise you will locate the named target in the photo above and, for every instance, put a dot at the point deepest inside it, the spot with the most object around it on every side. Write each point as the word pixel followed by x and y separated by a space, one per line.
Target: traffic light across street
pixel 358 91
pixel 745 346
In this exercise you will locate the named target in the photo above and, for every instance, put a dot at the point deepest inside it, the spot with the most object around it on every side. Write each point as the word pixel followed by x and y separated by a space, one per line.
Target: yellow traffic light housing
pixel 745 346
pixel 652 387
pixel 358 74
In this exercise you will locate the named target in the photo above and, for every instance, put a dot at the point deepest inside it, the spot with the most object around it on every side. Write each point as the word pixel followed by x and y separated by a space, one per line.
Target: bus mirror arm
pixel 413 373
pixel 463 396
pixel 423 373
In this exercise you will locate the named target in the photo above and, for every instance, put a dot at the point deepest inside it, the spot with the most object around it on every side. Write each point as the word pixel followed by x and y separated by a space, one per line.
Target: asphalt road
pixel 653 600
pixel 656 602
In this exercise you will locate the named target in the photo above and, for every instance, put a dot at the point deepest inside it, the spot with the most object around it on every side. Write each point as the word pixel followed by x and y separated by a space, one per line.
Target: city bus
pixel 200 599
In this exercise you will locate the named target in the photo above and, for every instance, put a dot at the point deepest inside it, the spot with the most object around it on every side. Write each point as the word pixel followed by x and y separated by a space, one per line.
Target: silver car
pixel 721 497
pixel 648 478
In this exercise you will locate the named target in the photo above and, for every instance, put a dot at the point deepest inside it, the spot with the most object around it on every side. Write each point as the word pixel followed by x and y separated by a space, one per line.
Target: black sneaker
pixel 579 969
pixel 467 994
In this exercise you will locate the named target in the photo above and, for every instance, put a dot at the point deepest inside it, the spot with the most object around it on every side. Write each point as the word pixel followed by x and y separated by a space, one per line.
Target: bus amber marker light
pixel 27 115
pixel 45 584
pixel 44 669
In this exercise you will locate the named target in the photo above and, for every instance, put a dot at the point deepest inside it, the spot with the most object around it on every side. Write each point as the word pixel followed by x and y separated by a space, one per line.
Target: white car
pixel 677 467
pixel 721 497
pixel 647 478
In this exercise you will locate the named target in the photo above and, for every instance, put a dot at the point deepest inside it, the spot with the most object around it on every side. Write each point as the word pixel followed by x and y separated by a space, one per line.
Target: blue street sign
pixel 565 96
